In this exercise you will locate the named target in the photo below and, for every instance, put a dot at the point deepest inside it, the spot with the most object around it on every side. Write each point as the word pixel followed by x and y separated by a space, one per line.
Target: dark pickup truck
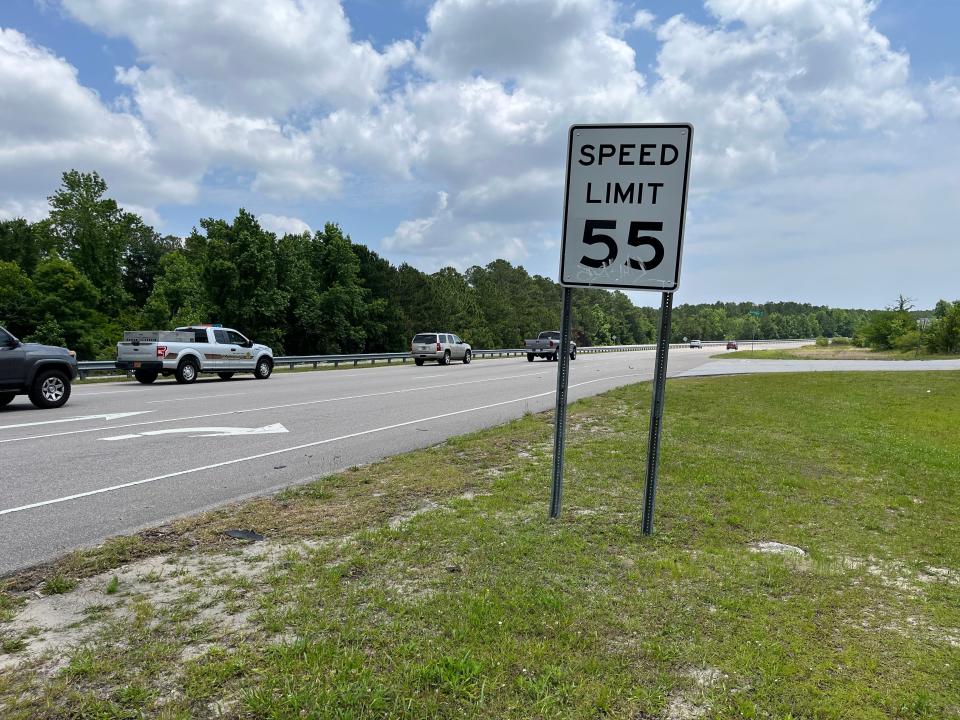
pixel 43 372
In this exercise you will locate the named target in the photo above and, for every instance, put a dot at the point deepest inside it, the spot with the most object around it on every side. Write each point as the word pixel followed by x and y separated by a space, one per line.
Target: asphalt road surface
pixel 123 456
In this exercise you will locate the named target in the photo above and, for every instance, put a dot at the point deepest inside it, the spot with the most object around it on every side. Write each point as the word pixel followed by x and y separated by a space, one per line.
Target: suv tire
pixel 264 369
pixel 51 389
pixel 6 398
pixel 529 357
pixel 187 372
pixel 467 357
pixel 573 354
pixel 418 361
pixel 445 360
pixel 145 376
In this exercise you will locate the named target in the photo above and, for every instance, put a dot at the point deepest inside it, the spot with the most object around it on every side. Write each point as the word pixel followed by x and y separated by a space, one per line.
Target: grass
pixel 431 585
pixel 832 352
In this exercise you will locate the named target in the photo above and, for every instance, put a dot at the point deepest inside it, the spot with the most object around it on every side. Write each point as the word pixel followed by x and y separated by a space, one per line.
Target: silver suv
pixel 442 347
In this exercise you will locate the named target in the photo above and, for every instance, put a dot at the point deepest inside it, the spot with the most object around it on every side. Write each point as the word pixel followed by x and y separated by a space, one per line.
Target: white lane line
pixel 195 397
pixel 361 433
pixel 104 392
pixel 102 416
pixel 268 407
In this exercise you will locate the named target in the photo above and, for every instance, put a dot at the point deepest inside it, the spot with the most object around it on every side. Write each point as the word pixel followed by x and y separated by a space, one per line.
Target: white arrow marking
pixel 207 432
pixel 107 417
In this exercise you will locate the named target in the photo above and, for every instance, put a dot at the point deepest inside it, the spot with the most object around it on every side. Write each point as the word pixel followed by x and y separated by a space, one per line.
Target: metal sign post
pixel 756 314
pixel 560 416
pixel 623 218
pixel 656 412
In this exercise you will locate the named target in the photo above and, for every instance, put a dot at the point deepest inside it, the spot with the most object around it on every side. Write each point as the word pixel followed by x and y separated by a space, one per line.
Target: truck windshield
pixel 425 339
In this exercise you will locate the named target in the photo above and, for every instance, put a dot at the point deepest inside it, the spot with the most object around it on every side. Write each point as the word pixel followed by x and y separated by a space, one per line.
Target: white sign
pixel 200 432
pixel 625 206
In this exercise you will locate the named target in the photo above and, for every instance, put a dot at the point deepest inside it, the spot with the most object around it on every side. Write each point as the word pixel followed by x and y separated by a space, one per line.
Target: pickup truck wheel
pixel 50 389
pixel 225 375
pixel 145 376
pixel 186 372
pixel 445 360
pixel 6 398
pixel 467 357
pixel 263 369
pixel 553 357
pixel 529 357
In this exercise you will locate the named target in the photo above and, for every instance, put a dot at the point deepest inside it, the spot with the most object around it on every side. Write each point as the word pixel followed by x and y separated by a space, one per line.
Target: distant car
pixel 731 345
pixel 43 372
pixel 442 347
pixel 696 344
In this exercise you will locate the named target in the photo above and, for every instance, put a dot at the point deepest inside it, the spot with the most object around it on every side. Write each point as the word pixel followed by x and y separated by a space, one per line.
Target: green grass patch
pixel 831 352
pixel 436 587
pixel 57 585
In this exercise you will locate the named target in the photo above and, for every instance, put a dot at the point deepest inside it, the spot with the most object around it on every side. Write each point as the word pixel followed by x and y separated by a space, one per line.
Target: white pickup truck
pixel 188 351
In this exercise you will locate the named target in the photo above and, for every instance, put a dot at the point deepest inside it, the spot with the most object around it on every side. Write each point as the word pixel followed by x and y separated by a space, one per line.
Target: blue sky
pixel 825 153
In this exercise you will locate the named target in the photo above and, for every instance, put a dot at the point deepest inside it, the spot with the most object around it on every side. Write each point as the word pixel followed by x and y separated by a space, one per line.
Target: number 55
pixel 634 239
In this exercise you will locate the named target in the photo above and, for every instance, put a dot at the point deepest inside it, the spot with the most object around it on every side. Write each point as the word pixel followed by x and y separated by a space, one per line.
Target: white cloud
pixel 196 138
pixel 643 20
pixel 944 98
pixel 251 56
pixel 50 123
pixel 283 225
pixel 443 239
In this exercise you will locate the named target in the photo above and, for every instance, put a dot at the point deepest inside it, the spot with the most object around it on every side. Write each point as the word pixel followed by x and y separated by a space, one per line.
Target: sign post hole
pixel 623 218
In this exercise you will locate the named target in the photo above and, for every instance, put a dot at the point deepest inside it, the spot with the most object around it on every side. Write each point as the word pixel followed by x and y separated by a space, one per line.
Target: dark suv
pixel 41 371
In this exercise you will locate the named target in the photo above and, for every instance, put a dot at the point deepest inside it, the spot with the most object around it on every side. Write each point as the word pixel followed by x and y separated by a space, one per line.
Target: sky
pixel 826 145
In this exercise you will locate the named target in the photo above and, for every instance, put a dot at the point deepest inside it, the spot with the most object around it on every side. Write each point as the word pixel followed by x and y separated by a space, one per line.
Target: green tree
pixel 91 232
pixel 178 296
pixel 337 312
pixel 69 298
pixel 48 332
pixel 18 244
pixel 18 300
pixel 142 259
pixel 943 335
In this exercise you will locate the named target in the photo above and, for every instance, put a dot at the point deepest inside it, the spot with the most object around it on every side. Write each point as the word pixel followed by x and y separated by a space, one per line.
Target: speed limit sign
pixel 625 204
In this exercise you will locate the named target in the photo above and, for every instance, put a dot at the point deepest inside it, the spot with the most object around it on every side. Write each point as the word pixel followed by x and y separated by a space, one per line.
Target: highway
pixel 123 456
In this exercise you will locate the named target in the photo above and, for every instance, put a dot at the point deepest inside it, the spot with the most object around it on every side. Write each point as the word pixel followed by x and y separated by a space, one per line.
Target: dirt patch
pixel 50 623
pixel 775 548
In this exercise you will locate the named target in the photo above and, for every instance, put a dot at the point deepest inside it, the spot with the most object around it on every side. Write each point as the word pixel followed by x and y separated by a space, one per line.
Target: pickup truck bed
pixel 547 345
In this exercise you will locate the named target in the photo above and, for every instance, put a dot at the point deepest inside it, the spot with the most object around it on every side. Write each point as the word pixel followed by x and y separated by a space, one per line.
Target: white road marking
pixel 207 432
pixel 261 409
pixel 195 397
pixel 361 433
pixel 103 416
pixel 104 392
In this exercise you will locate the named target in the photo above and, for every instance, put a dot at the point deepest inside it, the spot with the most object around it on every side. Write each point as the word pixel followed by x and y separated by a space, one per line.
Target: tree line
pixel 90 270
pixel 902 327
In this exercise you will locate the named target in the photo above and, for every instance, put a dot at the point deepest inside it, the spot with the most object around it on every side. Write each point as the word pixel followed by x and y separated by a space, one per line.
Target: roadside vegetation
pixel 900 328
pixel 431 585
pixel 833 352
pixel 90 270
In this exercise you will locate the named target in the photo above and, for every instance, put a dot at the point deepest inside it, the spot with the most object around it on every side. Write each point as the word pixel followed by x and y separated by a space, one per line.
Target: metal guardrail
pixel 86 367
